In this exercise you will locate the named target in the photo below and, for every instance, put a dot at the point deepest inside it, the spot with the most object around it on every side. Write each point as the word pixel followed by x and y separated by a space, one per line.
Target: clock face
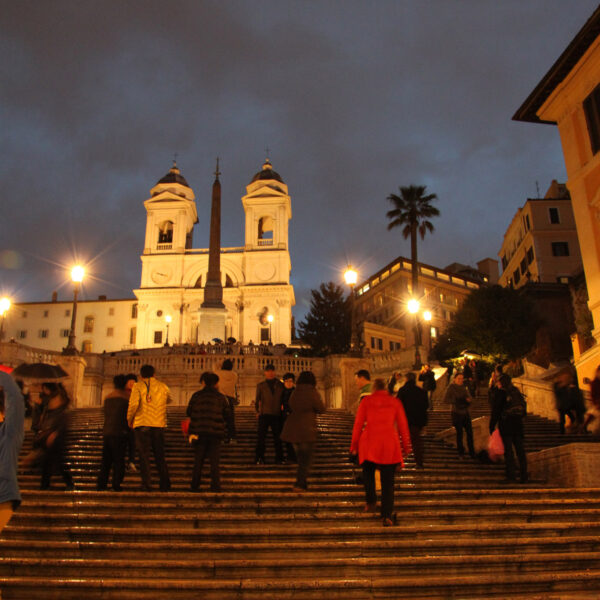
pixel 161 275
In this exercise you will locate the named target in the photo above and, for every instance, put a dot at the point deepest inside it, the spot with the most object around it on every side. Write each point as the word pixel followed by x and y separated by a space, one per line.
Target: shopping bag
pixel 495 446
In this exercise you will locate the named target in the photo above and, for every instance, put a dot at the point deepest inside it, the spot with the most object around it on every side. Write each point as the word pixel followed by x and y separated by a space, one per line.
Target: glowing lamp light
pixel 427 315
pixel 413 306
pixel 4 305
pixel 270 318
pixel 77 273
pixel 350 276
pixel 168 318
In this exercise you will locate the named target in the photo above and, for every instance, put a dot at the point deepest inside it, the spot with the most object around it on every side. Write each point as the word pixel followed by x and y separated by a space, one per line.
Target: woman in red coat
pixel 379 430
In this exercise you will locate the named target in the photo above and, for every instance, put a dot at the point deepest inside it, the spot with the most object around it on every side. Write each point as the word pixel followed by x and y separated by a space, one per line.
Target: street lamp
pixel 270 319
pixel 351 277
pixel 77 273
pixel 168 319
pixel 4 308
pixel 414 306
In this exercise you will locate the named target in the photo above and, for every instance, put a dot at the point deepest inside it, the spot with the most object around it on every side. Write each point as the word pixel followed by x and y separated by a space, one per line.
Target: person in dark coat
pixel 289 383
pixel 52 435
pixel 208 410
pixel 115 434
pixel 427 379
pixel 510 425
pixel 268 413
pixel 568 399
pixel 300 427
pixel 458 396
pixel 414 400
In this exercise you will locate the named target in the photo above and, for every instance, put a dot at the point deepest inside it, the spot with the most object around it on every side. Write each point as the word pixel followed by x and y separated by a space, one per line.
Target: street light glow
pixel 413 306
pixel 168 318
pixel 4 305
pixel 427 315
pixel 350 276
pixel 270 318
pixel 77 273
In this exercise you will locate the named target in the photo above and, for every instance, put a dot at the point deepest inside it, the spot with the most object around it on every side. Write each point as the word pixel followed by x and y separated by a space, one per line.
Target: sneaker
pixel 259 461
pixel 131 468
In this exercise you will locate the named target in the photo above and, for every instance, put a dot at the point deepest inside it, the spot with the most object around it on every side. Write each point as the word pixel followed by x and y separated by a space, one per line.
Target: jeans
pixel 387 473
pixel 204 446
pixel 113 456
pixel 231 433
pixel 461 422
pixel 152 438
pixel 305 452
pixel 55 457
pixel 417 443
pixel 264 423
pixel 509 440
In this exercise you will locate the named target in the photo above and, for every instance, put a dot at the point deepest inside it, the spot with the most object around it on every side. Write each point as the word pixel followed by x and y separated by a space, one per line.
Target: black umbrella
pixel 42 371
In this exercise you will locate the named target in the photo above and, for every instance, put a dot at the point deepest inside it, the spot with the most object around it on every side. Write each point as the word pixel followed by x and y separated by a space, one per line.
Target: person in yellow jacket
pixel 147 416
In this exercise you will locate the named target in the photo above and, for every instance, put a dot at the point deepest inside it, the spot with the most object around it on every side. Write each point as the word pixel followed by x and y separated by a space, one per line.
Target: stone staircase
pixel 461 533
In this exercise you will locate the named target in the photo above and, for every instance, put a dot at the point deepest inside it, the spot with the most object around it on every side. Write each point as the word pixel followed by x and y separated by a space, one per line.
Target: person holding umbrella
pixel 12 416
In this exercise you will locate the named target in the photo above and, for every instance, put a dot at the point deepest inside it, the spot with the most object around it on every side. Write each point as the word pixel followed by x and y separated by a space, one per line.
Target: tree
pixel 412 209
pixel 327 324
pixel 492 320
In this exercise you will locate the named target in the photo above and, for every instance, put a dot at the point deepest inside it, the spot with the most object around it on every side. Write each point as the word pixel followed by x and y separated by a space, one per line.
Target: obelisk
pixel 212 313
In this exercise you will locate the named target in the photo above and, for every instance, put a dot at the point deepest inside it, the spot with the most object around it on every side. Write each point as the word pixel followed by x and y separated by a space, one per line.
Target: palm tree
pixel 412 209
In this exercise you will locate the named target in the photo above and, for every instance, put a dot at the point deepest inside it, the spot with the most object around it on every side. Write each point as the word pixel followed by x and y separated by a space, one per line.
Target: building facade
pixel 381 304
pixel 569 96
pixel 540 244
pixel 257 294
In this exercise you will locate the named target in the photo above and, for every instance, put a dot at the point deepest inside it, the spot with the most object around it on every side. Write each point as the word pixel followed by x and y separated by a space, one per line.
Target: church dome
pixel 173 176
pixel 267 173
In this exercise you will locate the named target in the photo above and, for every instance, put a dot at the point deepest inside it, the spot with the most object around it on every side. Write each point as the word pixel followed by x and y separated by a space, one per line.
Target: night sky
pixel 353 99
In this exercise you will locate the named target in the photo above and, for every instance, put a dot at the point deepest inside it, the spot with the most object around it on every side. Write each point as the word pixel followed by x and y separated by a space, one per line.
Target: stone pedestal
pixel 211 324
pixel 481 435
pixel 572 465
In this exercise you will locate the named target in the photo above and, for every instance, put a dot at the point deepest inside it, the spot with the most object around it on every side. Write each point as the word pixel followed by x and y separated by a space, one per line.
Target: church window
pixel 134 310
pixel 265 231
pixel 165 233
pixel 158 337
pixel 110 331
pixel 88 324
pixel 264 334
pixel 132 335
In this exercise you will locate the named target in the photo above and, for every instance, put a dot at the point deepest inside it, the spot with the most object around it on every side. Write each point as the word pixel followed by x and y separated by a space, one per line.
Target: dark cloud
pixel 354 99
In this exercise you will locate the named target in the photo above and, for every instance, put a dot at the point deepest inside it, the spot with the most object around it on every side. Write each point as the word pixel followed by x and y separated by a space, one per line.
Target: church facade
pixel 255 278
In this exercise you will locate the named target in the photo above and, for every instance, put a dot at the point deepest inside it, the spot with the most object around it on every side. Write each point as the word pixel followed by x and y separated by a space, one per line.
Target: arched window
pixel 165 233
pixel 265 231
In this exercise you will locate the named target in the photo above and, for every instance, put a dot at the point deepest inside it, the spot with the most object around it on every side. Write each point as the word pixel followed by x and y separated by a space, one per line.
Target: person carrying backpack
pixel 508 411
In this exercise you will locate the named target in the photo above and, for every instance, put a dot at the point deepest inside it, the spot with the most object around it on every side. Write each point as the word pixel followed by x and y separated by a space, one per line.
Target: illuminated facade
pixel 569 96
pixel 257 294
pixel 381 301
pixel 540 244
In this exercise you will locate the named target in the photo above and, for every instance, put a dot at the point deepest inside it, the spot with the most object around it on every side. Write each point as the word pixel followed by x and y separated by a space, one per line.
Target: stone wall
pixel 90 375
pixel 572 465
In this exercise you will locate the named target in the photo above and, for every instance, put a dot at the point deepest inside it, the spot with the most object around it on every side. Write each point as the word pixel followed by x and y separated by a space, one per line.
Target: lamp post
pixel 77 273
pixel 270 319
pixel 413 306
pixel 4 308
pixel 168 319
pixel 351 277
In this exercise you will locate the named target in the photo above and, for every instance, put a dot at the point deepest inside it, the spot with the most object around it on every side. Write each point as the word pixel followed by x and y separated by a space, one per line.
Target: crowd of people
pixel 389 422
